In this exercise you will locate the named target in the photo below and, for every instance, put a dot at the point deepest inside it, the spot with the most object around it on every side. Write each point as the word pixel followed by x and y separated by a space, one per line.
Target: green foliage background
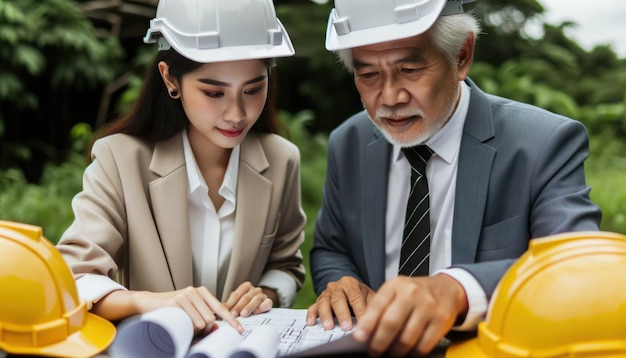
pixel 50 53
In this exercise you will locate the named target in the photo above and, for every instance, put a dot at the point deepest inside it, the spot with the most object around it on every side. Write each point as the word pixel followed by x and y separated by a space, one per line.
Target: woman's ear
pixel 466 57
pixel 170 83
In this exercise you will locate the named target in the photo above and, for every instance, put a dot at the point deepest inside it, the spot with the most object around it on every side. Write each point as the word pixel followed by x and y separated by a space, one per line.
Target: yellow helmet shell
pixel 40 313
pixel 565 297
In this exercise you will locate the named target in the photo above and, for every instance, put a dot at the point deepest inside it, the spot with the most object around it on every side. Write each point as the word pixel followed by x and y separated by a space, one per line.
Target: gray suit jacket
pixel 520 176
pixel 131 219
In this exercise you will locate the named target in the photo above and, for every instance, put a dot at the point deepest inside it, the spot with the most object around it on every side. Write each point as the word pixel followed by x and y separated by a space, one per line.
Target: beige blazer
pixel 131 219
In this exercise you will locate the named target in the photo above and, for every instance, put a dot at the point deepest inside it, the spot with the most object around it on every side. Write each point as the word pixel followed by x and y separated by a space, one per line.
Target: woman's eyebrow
pixel 210 81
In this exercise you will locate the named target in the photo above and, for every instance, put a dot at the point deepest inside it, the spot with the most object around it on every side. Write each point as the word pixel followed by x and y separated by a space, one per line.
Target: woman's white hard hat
pixel 219 30
pixel 354 23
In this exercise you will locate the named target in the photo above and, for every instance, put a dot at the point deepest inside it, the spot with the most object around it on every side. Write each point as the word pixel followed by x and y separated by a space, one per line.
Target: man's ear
pixel 466 57
pixel 170 82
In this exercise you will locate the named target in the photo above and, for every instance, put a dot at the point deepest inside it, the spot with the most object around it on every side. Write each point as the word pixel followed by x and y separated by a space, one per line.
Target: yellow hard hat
pixel 565 297
pixel 40 313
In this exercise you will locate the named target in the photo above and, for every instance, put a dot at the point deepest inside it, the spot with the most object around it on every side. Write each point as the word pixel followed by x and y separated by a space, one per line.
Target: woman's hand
pixel 201 306
pixel 248 299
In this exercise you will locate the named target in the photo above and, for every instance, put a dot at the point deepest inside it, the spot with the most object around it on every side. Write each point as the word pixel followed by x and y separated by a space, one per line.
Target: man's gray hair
pixel 448 33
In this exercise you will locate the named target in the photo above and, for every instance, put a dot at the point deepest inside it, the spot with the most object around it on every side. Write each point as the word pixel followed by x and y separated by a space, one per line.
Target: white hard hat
pixel 354 23
pixel 219 30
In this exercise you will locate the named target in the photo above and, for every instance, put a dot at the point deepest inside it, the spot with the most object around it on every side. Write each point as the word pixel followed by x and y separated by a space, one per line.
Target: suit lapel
pixel 475 162
pixel 253 200
pixel 374 197
pixel 170 206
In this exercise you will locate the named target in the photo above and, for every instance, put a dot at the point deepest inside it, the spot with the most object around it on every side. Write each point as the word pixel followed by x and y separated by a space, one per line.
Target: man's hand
pixel 409 315
pixel 338 298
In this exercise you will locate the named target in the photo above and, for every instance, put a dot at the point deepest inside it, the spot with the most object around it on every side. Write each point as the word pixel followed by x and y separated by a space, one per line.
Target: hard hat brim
pixel 230 53
pixel 465 349
pixel 93 338
pixel 379 34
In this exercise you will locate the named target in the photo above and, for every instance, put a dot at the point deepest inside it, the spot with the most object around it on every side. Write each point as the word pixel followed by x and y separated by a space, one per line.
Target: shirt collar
pixel 196 181
pixel 447 141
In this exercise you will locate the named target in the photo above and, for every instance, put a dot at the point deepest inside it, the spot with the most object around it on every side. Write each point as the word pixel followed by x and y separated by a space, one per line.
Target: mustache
pixel 387 112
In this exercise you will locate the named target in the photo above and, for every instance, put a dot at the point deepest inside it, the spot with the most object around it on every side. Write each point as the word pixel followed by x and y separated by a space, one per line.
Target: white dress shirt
pixel 212 232
pixel 441 175
pixel 211 238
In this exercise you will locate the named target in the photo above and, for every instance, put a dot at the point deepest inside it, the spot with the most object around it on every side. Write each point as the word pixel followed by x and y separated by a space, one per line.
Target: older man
pixel 436 188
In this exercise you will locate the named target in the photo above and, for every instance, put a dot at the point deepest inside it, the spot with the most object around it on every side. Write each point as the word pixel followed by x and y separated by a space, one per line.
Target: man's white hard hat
pixel 220 30
pixel 354 23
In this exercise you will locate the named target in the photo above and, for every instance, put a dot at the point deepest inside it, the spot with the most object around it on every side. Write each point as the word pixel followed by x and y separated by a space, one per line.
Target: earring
pixel 174 93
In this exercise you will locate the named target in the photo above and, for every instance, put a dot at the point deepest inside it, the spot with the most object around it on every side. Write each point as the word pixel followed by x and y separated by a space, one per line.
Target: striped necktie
pixel 415 251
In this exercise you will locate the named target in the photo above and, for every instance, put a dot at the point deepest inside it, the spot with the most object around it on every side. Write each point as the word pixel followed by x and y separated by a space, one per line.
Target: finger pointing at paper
pixel 201 306
pixel 219 309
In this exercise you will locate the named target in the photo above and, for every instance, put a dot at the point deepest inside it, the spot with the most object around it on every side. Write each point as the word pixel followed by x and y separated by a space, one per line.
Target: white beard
pixel 432 124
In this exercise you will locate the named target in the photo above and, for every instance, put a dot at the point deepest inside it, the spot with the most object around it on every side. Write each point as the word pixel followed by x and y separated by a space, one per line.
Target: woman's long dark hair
pixel 156 116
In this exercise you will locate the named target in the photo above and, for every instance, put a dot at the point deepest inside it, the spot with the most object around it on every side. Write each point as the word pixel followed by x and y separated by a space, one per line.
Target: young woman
pixel 192 199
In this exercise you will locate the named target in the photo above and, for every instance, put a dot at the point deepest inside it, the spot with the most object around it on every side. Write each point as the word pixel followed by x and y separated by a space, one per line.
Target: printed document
pixel 168 332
